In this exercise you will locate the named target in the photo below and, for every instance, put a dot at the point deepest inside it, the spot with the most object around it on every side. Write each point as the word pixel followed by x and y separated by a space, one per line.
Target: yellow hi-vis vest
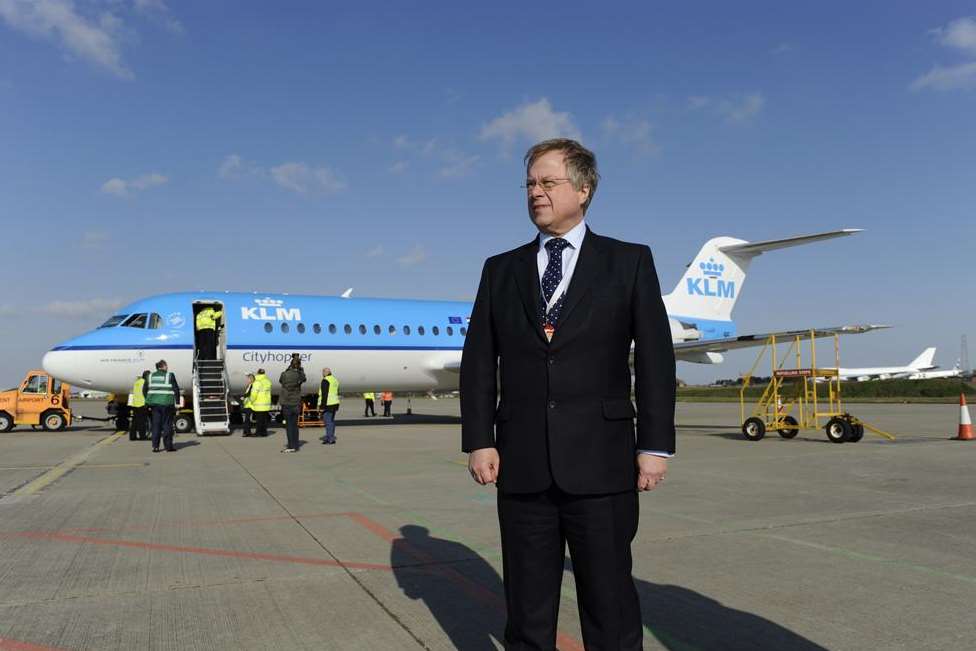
pixel 369 395
pixel 261 393
pixel 207 318
pixel 136 399
pixel 160 392
pixel 249 398
pixel 333 396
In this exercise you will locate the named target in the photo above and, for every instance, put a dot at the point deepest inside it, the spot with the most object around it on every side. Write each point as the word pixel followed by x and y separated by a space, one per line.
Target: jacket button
pixel 551 361
pixel 552 404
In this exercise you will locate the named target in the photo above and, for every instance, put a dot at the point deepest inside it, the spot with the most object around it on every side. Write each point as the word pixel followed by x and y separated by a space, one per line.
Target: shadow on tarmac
pixel 462 590
pixel 401 419
pixel 685 620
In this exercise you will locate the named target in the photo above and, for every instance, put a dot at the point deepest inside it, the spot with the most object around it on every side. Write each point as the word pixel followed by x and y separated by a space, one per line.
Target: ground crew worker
pixel 162 395
pixel 370 399
pixel 247 404
pixel 329 404
pixel 206 330
pixel 290 400
pixel 137 406
pixel 261 402
pixel 387 403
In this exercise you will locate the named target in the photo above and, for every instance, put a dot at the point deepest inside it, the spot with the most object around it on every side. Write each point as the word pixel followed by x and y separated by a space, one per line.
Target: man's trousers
pixel 535 530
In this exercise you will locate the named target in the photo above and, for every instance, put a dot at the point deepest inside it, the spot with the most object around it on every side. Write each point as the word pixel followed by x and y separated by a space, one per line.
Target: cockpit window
pixel 114 321
pixel 155 321
pixel 136 321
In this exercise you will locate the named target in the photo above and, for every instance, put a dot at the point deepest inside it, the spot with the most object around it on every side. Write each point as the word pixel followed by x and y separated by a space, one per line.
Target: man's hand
pixel 650 471
pixel 483 465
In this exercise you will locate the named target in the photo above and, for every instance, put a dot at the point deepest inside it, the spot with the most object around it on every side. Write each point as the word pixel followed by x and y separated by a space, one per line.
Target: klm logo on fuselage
pixel 711 284
pixel 269 309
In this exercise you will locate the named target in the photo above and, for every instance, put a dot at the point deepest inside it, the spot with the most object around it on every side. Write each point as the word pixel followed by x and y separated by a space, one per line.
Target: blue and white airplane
pixel 371 344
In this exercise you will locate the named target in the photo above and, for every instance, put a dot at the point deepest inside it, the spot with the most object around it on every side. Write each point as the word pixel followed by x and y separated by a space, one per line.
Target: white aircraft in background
pixel 922 363
pixel 955 371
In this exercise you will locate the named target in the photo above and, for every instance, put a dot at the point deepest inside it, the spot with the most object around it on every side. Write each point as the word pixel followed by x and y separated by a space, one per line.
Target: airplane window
pixel 435 330
pixel 155 321
pixel 406 329
pixel 362 329
pixel 36 384
pixel 301 328
pixel 284 327
pixel 377 329
pixel 317 328
pixel 464 332
pixel 347 329
pixel 114 321
pixel 332 328
pixel 392 329
pixel 450 331
pixel 136 321
pixel 420 330
pixel 268 327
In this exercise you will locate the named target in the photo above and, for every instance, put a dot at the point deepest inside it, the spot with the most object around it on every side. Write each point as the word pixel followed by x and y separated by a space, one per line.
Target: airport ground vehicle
pixel 39 400
pixel 798 391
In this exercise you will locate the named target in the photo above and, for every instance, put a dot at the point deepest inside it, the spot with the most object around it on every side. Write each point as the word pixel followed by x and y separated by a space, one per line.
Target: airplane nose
pixel 58 363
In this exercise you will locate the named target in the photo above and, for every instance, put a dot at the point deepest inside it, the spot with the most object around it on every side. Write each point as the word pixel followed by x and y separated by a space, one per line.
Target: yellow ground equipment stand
pixel 792 400
pixel 310 416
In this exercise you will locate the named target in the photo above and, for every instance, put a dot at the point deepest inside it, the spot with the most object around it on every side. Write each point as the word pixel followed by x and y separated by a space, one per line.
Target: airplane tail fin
pixel 924 360
pixel 713 281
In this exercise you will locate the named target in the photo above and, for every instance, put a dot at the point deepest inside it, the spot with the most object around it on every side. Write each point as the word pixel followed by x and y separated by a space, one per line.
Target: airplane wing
pixel 747 341
pixel 753 249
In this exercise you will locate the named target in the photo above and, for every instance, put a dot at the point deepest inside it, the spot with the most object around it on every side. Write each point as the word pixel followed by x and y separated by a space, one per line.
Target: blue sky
pixel 153 145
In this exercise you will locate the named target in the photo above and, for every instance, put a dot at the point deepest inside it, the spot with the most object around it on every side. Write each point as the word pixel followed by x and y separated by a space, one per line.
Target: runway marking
pixel 199 523
pixel 6 644
pixel 205 551
pixel 63 468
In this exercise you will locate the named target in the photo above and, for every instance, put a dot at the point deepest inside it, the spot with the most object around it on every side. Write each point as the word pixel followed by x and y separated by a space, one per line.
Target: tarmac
pixel 384 542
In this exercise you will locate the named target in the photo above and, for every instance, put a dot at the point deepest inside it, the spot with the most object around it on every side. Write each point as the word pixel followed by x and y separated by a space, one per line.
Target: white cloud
pixel 782 48
pixel 235 167
pixel 121 187
pixel 299 177
pixel 533 122
pixel 399 167
pixel 959 34
pixel 415 256
pixel 79 309
pixel 699 102
pixel 950 78
pixel 158 10
pixel 94 239
pixel 457 164
pixel 742 108
pixel 635 132
pixel 96 41
pixel 375 252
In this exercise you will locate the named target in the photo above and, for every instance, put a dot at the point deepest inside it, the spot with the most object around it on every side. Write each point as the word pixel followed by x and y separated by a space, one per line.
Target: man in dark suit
pixel 552 327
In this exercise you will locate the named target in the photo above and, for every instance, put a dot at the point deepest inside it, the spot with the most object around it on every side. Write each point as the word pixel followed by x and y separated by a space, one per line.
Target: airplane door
pixel 209 339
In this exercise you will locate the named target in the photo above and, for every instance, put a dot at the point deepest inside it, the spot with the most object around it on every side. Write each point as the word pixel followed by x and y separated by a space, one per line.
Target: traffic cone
pixel 965 424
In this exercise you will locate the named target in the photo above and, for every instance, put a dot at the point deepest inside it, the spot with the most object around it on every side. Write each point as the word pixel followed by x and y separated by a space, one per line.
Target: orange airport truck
pixel 39 400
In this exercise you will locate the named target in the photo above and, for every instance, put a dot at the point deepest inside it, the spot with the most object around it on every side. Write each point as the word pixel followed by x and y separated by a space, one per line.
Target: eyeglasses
pixel 545 184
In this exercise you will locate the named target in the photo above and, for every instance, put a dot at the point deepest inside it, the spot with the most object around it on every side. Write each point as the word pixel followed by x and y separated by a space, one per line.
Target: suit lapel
pixel 585 274
pixel 527 279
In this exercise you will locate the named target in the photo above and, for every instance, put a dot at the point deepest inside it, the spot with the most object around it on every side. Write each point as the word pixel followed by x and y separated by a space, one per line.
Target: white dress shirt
pixel 570 257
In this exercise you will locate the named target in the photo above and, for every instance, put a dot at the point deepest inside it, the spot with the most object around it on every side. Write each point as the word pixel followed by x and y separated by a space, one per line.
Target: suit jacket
pixel 565 413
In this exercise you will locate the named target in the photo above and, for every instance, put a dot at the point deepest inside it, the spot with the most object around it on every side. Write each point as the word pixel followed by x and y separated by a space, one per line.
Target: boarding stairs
pixel 210 397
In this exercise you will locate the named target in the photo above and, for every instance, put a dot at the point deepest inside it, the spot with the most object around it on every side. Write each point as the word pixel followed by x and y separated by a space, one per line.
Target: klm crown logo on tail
pixel 711 283
pixel 270 309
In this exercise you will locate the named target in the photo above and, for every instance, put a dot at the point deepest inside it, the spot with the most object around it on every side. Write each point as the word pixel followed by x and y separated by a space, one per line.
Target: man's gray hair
pixel 580 163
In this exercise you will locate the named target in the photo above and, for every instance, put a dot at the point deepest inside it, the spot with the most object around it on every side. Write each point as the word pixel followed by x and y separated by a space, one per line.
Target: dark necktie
pixel 551 278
